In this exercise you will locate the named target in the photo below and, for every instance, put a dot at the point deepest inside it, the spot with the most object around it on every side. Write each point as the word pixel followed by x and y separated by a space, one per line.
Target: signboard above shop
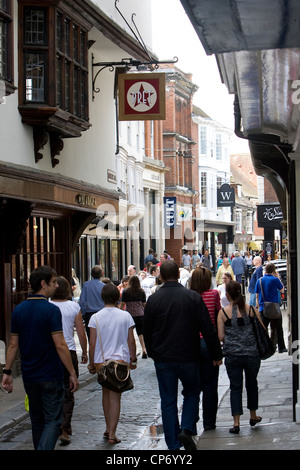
pixel 225 196
pixel 141 96
pixel 269 216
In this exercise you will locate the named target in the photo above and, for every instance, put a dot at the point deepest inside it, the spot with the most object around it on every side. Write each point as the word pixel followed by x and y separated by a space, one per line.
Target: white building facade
pixel 59 142
pixel 213 222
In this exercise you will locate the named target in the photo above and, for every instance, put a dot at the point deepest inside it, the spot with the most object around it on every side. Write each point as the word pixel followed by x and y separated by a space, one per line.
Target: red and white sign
pixel 141 96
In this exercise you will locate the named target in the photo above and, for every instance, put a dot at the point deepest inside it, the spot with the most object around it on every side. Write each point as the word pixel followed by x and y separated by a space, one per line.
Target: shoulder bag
pixel 271 309
pixel 265 346
pixel 114 375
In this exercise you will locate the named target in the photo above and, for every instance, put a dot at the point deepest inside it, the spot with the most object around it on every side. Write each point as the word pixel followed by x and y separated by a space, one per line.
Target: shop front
pixel 42 220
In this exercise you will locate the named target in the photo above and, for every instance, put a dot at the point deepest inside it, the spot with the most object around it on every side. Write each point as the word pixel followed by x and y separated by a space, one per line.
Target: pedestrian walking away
pixel 36 330
pixel 238 265
pixel 90 299
pixel 134 298
pixel 71 321
pixel 116 329
pixel 241 354
pixel 149 257
pixel 174 318
pixel 268 288
pixel 209 372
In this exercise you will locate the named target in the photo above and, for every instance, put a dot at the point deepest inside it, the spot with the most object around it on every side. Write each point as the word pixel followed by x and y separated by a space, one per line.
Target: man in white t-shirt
pixel 150 280
pixel 186 259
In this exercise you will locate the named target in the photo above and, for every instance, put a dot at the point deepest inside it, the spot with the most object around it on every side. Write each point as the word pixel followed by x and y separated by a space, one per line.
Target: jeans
pixel 277 326
pixel 252 299
pixel 46 409
pixel 235 366
pixel 69 401
pixel 209 375
pixel 168 374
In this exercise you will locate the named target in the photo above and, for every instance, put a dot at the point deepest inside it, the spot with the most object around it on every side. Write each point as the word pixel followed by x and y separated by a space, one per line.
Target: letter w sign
pixel 225 196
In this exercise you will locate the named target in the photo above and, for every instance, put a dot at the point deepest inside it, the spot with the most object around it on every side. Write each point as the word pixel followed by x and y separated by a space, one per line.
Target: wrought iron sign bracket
pixel 127 64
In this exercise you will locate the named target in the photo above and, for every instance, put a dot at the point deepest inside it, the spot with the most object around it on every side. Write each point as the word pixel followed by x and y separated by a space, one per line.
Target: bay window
pixel 53 79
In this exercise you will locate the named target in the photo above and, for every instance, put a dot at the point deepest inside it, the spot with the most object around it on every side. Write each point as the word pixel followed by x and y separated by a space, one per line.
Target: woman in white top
pixel 226 277
pixel 71 318
pixel 118 343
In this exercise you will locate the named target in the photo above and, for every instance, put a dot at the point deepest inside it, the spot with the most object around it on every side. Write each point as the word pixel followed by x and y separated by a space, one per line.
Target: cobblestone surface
pixel 140 427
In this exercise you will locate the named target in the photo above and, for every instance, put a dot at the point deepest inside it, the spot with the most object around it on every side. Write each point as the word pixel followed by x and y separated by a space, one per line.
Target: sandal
pixel 234 430
pixel 114 440
pixel 106 435
pixel 253 422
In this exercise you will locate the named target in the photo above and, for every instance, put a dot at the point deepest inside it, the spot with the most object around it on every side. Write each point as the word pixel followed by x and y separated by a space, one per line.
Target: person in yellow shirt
pixel 224 268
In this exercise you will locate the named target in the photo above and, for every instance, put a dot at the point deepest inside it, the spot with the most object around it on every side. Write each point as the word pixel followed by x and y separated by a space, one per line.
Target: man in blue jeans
pixel 271 286
pixel 37 331
pixel 173 319
pixel 258 273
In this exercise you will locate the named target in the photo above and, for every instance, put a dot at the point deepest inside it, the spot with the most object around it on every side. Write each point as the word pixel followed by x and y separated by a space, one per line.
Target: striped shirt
pixel 211 299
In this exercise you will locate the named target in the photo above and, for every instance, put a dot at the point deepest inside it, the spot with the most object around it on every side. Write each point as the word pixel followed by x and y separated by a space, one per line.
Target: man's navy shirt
pixel 35 321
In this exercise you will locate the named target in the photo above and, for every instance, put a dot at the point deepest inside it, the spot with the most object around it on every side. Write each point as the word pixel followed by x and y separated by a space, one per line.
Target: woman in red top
pixel 209 373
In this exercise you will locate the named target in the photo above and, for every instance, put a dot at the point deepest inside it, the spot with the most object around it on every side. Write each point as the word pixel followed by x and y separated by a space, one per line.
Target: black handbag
pixel 114 375
pixel 271 309
pixel 264 343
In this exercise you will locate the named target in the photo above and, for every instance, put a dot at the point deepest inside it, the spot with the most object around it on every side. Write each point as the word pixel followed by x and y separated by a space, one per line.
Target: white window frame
pixel 238 221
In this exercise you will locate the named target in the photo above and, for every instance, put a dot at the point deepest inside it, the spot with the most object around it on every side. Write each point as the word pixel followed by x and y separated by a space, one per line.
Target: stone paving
pixel 140 426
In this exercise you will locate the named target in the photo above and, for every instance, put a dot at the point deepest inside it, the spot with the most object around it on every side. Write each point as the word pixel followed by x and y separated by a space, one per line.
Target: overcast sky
pixel 173 35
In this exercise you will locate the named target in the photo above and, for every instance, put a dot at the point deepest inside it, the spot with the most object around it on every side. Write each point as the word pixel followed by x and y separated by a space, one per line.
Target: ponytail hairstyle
pixel 233 288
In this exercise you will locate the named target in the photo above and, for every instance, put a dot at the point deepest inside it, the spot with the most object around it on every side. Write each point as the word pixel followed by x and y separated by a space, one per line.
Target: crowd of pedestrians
pixel 183 323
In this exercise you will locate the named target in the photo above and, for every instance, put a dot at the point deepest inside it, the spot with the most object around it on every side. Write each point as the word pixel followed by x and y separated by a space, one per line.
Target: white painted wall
pixel 89 157
pixel 142 17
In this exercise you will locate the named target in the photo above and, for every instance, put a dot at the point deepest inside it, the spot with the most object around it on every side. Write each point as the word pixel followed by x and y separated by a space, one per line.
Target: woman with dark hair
pixel 115 328
pixel 226 277
pixel 71 319
pixel 134 298
pixel 241 353
pixel 201 283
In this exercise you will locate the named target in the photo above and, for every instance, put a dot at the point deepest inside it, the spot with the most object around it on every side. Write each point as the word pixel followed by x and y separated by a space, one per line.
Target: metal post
pixel 243 287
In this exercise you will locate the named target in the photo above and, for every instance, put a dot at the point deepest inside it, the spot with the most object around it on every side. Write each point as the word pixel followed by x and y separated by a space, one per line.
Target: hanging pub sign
pixel 225 196
pixel 141 96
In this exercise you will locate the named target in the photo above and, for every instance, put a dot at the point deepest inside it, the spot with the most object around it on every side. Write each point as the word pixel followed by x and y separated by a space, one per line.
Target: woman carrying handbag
pixel 117 344
pixel 235 330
